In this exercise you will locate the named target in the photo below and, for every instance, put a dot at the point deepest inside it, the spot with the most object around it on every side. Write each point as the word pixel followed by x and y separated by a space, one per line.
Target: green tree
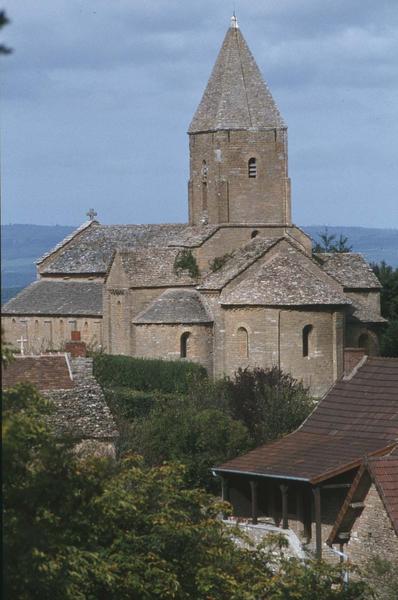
pixel 96 528
pixel 328 243
pixel 269 402
pixel 178 429
pixel 388 277
pixel 4 21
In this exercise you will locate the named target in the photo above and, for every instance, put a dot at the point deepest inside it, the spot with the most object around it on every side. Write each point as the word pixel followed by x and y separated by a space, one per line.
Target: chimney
pixel 352 358
pixel 76 347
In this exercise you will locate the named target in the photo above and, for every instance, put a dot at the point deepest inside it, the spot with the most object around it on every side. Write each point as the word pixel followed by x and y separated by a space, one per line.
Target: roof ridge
pixel 66 240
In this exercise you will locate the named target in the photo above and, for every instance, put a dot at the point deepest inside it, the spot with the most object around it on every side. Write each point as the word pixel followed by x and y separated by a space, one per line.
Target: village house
pixel 79 410
pixel 333 481
pixel 238 286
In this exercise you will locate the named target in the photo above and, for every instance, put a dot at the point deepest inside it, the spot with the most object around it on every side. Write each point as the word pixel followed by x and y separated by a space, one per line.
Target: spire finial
pixel 234 21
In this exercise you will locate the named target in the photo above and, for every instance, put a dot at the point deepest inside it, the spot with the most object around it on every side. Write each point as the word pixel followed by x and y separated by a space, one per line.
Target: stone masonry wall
pixel 224 193
pixel 51 333
pixel 372 533
pixel 164 341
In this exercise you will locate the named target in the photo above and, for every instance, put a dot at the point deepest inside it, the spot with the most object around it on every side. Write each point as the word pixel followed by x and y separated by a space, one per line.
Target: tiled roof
pixel 47 372
pixel 350 269
pixel 236 96
pixel 363 312
pixel 80 407
pixel 283 281
pixel 358 416
pixel 237 262
pixel 153 267
pixel 93 248
pixel 383 472
pixel 49 297
pixel 175 306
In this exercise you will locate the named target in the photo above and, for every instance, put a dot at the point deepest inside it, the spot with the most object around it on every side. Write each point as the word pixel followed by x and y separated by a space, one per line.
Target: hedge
pixel 167 376
pixel 129 404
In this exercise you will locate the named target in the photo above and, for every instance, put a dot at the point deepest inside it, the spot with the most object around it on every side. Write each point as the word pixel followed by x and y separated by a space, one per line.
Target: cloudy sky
pixel 98 95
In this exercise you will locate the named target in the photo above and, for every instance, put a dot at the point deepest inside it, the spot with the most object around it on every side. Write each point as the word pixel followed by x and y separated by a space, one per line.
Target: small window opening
pixel 307 335
pixel 184 344
pixel 243 342
pixel 204 171
pixel 252 167
pixel 254 234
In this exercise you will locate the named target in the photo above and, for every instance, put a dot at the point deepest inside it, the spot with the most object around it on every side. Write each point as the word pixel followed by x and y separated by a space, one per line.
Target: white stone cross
pixel 21 342
pixel 91 214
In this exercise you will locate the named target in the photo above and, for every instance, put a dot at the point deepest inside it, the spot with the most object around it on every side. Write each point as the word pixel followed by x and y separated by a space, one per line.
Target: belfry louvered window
pixel 252 167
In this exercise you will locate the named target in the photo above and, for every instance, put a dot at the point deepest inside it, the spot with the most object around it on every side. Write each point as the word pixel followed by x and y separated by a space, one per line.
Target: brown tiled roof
pixel 358 416
pixel 383 472
pixel 286 281
pixel 236 96
pixel 239 260
pixel 47 372
pixel 350 269
pixel 154 267
pixel 175 306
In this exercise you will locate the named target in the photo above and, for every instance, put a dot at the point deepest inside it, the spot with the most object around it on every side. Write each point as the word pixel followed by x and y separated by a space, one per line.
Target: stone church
pixel 238 286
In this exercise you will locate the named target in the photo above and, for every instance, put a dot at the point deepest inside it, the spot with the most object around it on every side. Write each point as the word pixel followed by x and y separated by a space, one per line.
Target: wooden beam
pixel 357 505
pixel 318 521
pixel 254 499
pixel 336 486
pixel 285 520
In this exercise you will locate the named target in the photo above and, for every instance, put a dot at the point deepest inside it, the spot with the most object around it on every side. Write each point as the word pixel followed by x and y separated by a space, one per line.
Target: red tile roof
pixel 358 416
pixel 383 472
pixel 47 372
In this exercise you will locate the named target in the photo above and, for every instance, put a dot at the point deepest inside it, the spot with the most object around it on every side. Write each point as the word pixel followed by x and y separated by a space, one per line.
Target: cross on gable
pixel 91 214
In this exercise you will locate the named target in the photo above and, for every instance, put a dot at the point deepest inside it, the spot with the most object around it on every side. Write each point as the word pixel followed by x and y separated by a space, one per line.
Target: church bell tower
pixel 238 145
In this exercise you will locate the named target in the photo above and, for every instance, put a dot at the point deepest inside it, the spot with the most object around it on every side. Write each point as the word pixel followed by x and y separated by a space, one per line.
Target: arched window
pixel 184 344
pixel 307 335
pixel 243 342
pixel 85 329
pixel 366 342
pixel 254 234
pixel 252 167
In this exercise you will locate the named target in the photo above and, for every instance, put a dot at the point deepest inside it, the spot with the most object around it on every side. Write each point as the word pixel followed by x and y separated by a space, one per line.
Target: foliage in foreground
pixel 146 374
pixel 381 576
pixel 213 422
pixel 96 529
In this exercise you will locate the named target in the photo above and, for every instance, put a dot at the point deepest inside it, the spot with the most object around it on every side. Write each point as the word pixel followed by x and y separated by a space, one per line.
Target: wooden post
pixel 285 520
pixel 253 488
pixel 224 489
pixel 300 508
pixel 224 492
pixel 318 521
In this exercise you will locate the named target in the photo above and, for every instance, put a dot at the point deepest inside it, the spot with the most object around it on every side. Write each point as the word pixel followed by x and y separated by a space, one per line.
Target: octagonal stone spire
pixel 236 96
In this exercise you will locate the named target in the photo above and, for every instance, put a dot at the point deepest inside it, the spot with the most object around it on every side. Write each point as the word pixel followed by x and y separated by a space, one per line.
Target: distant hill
pixel 22 245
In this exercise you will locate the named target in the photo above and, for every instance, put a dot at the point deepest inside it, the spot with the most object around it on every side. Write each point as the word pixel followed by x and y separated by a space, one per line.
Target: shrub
pixel 146 374
pixel 185 261
pixel 269 402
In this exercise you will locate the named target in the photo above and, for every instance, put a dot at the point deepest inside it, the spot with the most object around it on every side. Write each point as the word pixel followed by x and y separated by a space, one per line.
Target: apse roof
pixel 175 306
